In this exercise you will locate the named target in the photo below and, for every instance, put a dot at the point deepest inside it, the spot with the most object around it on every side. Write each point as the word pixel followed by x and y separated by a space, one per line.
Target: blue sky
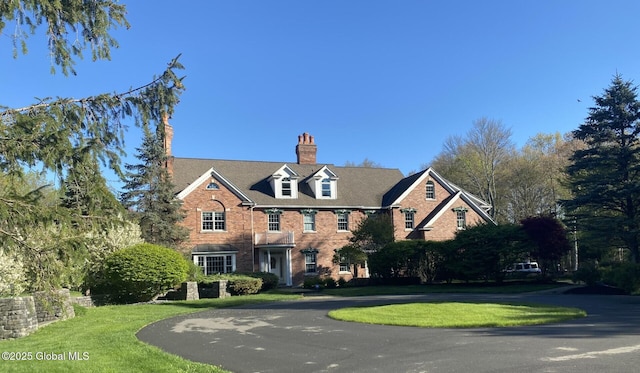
pixel 383 80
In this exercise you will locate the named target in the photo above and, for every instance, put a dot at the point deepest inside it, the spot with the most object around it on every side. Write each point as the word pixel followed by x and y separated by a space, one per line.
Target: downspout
pixel 393 223
pixel 253 243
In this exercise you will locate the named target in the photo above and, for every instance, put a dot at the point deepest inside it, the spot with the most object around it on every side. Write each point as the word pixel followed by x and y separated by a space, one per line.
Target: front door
pixel 276 266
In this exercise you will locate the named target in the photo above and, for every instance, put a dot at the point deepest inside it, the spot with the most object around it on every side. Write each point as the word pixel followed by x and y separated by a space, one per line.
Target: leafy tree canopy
pixel 549 237
pixel 373 232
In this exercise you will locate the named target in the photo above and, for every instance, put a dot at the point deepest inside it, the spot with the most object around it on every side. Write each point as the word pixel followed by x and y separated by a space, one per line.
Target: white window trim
pixel 279 215
pixel 433 190
pixel 340 270
pixel 346 214
pixel 319 178
pixel 213 221
pixel 405 213
pixel 408 214
pixel 277 180
pixel 461 211
pixel 312 215
pixel 223 255
pixel 305 252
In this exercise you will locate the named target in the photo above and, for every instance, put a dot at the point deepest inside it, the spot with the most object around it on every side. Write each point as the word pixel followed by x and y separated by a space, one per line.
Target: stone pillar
pixel 221 287
pixel 190 290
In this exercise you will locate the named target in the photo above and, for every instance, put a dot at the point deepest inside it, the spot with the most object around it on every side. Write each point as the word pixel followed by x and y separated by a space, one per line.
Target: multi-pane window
pixel 274 222
pixel 343 221
pixel 409 216
pixel 430 190
pixel 213 264
pixel 286 187
pixel 213 221
pixel 310 262
pixel 344 266
pixel 309 222
pixel 461 219
pixel 326 187
pixel 218 221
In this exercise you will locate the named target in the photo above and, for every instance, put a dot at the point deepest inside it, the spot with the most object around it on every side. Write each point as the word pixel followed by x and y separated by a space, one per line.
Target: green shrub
pixel 624 275
pixel 311 282
pixel 244 285
pixel 330 283
pixel 141 272
pixel 342 282
pixel 587 273
pixel 269 280
pixel 237 284
pixel 194 273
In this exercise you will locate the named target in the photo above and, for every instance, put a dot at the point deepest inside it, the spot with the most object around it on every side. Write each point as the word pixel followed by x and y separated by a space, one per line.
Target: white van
pixel 528 267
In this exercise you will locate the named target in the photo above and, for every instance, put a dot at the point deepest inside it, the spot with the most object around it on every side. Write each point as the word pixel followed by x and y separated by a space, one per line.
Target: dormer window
pixel 286 187
pixel 284 183
pixel 324 184
pixel 326 188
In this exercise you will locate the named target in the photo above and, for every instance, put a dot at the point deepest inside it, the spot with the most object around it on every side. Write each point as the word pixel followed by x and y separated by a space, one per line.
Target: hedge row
pixel 244 283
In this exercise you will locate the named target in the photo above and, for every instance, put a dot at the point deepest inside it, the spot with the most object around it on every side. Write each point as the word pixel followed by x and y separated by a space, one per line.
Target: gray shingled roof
pixel 362 187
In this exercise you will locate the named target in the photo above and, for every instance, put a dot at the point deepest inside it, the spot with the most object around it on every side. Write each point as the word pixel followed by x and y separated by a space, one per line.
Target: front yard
pixel 103 339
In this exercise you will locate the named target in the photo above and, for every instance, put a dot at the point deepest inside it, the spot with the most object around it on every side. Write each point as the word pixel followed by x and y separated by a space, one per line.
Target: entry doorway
pixel 277 262
pixel 276 265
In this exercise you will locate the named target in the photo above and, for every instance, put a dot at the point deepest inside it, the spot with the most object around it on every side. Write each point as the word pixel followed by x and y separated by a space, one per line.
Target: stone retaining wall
pixel 18 317
pixel 217 289
pixel 21 316
pixel 53 307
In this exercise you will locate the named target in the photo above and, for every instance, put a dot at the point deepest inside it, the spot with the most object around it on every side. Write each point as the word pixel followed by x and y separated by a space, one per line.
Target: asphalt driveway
pixel 299 337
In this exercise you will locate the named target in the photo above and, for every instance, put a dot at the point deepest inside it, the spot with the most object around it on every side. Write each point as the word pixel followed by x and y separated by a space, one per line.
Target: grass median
pixel 102 339
pixel 458 314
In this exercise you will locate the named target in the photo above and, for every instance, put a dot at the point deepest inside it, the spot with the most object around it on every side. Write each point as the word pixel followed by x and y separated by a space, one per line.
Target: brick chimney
pixel 168 138
pixel 306 149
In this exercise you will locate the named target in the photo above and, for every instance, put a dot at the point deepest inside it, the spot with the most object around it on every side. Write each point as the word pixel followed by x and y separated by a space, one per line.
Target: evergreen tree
pixel 605 176
pixel 151 194
pixel 55 133
pixel 85 192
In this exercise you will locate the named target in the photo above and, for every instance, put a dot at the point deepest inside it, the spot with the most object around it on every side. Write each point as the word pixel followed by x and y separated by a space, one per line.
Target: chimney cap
pixel 305 138
pixel 306 149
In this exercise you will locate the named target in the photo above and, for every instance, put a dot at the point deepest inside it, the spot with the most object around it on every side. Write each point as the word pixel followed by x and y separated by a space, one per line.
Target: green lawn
pixel 107 336
pixel 458 314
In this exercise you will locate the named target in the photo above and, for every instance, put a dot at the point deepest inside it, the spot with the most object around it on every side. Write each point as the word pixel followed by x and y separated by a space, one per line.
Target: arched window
pixel 213 218
pixel 430 190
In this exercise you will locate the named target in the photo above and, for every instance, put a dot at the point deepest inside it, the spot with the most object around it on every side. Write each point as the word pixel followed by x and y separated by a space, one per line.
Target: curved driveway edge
pixel 298 336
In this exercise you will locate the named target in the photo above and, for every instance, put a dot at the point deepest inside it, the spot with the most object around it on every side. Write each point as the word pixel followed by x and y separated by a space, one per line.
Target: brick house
pixel 288 218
